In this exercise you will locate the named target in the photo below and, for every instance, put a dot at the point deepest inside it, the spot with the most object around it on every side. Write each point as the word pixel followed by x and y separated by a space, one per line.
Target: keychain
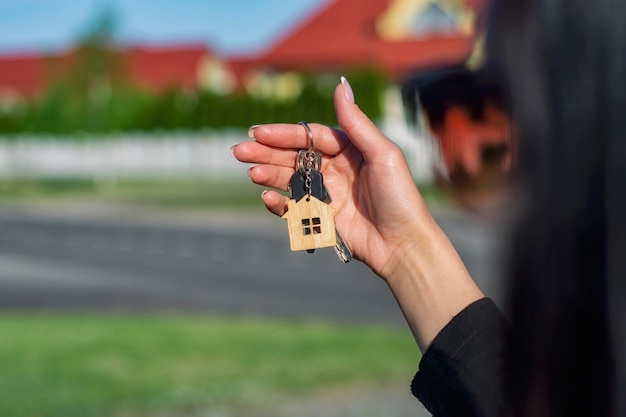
pixel 310 218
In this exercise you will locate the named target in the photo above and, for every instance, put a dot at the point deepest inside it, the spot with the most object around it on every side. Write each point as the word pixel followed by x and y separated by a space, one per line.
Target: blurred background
pixel 139 272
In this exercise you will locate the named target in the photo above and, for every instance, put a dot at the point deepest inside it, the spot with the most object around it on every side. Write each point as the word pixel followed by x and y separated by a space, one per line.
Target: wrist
pixel 417 244
pixel 429 281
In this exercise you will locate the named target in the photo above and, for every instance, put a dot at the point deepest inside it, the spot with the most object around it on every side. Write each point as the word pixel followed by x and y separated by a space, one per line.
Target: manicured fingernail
pixel 347 90
pixel 251 131
pixel 232 150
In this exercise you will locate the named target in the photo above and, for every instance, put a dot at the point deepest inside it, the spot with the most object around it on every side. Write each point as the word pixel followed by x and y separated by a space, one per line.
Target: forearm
pixel 429 281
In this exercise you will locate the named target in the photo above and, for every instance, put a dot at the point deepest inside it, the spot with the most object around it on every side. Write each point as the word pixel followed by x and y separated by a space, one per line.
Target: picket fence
pixel 204 154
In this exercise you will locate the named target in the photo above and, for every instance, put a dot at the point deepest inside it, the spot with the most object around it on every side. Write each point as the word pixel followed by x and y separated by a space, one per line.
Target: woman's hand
pixel 381 214
pixel 378 205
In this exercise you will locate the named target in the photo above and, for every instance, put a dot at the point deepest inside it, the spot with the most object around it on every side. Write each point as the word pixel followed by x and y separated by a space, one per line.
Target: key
pixel 308 180
pixel 343 252
pixel 299 190
pixel 341 249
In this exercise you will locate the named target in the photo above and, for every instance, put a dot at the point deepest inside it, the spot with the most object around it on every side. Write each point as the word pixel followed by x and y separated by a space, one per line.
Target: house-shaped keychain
pixel 311 224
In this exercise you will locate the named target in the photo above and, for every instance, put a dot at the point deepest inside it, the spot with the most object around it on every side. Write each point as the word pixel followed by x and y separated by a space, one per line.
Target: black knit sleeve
pixel 462 373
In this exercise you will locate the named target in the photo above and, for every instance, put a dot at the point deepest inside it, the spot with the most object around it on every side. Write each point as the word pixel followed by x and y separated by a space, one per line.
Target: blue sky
pixel 229 26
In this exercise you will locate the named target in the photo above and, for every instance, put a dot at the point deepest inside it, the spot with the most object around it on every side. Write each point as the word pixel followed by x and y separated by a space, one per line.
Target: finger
pixel 327 140
pixel 271 176
pixel 275 202
pixel 257 153
pixel 358 127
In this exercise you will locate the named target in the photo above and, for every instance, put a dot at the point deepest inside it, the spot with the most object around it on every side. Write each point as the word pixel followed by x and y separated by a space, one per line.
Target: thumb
pixel 356 124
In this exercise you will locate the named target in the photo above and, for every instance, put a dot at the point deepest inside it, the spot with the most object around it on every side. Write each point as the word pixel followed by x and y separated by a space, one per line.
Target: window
pixel 311 226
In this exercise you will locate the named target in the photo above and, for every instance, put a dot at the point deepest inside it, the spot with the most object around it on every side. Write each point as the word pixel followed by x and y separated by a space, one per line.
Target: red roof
pixel 343 33
pixel 158 68
pixel 153 68
pixel 24 74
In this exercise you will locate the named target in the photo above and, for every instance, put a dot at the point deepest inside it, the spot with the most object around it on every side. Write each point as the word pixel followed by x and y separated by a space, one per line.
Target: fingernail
pixel 263 193
pixel 249 172
pixel 251 131
pixel 232 150
pixel 347 90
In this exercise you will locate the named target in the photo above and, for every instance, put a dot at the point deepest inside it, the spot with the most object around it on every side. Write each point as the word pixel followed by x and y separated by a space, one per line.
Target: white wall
pixel 418 149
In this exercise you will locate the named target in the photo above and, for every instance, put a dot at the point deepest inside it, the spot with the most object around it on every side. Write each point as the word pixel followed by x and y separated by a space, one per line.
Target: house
pixel 190 67
pixel 26 76
pixel 395 36
pixel 311 224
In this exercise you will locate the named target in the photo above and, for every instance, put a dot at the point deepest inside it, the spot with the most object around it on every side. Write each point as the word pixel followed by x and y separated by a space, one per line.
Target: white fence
pixel 140 155
pixel 149 155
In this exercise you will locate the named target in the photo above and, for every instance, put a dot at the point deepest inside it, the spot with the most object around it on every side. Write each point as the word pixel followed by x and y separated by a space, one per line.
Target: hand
pixel 379 206
pixel 381 214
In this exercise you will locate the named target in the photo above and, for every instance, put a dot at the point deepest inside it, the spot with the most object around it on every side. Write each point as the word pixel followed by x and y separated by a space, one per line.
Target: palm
pixel 372 206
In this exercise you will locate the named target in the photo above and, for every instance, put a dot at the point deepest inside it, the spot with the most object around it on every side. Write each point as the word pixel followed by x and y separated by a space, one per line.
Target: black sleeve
pixel 462 372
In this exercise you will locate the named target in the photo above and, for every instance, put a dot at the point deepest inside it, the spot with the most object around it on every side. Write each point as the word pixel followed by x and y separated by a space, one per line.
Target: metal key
pixel 316 188
pixel 342 250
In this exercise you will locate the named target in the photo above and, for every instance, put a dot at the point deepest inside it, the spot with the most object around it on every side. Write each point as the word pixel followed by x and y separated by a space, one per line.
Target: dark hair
pixel 562 65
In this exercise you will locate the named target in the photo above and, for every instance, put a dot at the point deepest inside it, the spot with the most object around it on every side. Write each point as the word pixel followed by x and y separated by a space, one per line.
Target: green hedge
pixel 101 106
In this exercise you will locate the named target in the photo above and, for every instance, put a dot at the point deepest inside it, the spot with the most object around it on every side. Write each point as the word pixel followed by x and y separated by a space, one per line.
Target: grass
pixel 93 365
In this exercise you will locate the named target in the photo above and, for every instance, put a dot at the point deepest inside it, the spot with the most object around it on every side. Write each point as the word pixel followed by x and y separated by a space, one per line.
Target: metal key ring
pixel 303 159
pixel 310 133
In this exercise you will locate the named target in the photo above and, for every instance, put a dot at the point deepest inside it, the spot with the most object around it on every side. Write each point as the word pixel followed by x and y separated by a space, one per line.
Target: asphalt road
pixel 89 258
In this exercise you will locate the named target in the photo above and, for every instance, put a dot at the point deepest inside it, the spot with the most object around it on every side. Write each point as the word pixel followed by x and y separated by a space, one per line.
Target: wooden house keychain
pixel 310 218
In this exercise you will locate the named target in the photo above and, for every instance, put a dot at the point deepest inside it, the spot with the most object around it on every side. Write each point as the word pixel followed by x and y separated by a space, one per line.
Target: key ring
pixel 310 158
pixel 310 133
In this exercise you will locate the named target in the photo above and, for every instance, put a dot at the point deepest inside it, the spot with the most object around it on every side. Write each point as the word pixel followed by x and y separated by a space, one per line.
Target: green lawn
pixel 139 365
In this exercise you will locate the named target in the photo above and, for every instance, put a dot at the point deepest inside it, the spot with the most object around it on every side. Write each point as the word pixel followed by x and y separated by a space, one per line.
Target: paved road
pixel 221 263
pixel 82 258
